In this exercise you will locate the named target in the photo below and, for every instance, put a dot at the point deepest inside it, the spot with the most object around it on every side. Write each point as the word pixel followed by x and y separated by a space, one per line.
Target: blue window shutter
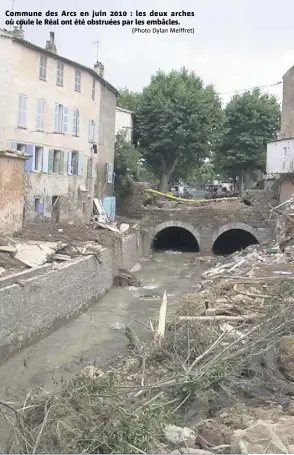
pixel 65 120
pixel 51 161
pixel 13 145
pixel 56 119
pixel 78 122
pixel 74 122
pixel 113 208
pixel 45 167
pixel 69 163
pixel 80 164
pixel 61 162
pixel 30 150
pixel 89 131
pixel 94 132
pixel 109 172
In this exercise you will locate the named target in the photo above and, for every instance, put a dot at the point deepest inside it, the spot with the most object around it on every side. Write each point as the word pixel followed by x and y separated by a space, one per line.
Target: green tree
pixel 204 174
pixel 128 99
pixel 126 163
pixel 252 120
pixel 179 123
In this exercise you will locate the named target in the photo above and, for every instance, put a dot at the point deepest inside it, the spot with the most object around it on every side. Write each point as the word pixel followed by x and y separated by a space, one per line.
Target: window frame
pixel 60 73
pixel 78 80
pixel 22 111
pixel 43 67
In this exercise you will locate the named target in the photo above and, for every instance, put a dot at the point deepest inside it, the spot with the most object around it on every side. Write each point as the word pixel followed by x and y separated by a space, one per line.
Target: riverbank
pixel 220 382
pixel 51 289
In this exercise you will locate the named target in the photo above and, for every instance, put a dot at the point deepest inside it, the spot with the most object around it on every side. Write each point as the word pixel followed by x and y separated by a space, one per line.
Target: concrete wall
pixel 106 142
pixel 11 192
pixel 19 74
pixel 124 121
pixel 35 302
pixel 287 120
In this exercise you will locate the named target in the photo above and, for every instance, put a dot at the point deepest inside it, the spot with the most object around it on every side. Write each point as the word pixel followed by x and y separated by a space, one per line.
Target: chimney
pixel 50 44
pixel 18 32
pixel 99 68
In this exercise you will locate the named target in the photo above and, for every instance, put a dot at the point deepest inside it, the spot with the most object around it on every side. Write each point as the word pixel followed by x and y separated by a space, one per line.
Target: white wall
pixel 124 121
pixel 280 157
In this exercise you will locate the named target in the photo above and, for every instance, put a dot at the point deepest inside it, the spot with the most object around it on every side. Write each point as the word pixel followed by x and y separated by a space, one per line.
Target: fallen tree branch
pixel 248 317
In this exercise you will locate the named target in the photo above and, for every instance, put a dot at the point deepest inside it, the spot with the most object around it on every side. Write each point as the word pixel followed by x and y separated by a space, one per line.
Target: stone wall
pixel 208 221
pixel 131 205
pixel 36 302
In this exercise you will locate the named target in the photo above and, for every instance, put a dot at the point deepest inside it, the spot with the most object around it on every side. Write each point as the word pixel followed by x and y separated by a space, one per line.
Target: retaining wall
pixel 34 303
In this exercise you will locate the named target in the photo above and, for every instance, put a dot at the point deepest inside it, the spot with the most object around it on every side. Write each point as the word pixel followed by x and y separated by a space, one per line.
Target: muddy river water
pixel 98 334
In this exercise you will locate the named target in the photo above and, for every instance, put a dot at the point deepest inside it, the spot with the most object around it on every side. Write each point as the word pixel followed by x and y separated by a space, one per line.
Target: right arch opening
pixel 233 240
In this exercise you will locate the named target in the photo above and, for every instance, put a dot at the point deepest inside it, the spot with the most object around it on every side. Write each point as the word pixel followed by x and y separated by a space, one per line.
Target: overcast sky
pixel 237 44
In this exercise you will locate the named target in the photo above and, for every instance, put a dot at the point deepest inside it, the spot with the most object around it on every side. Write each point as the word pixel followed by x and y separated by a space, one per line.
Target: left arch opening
pixel 176 239
pixel 233 240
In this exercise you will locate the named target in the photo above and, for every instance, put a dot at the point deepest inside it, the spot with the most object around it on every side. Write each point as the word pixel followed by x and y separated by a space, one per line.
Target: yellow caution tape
pixel 179 199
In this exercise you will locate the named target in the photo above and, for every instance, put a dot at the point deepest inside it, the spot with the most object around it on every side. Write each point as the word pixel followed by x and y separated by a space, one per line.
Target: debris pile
pixel 285 223
pixel 101 220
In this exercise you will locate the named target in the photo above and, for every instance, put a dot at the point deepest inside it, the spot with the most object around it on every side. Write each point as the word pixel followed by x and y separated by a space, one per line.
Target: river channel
pixel 98 334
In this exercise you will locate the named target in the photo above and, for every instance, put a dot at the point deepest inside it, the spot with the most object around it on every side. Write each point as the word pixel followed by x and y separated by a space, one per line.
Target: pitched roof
pixel 63 59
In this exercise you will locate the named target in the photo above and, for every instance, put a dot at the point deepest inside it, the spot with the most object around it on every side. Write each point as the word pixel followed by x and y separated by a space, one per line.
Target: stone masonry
pixel 209 221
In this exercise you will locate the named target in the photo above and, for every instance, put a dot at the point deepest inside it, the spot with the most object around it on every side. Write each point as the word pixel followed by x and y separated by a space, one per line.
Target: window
pixel 38 159
pixel 76 122
pixel 93 89
pixel 39 207
pixel 21 148
pixel 61 119
pixel 43 67
pixel 109 173
pixel 56 162
pixel 285 152
pixel 75 162
pixel 22 111
pixel 78 77
pixel 92 131
pixel 41 115
pixel 60 71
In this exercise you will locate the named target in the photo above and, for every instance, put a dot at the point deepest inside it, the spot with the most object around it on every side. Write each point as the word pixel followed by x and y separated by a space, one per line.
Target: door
pixel 55 212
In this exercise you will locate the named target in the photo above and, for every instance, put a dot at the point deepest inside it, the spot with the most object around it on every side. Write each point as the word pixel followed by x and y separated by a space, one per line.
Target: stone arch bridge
pixel 211 225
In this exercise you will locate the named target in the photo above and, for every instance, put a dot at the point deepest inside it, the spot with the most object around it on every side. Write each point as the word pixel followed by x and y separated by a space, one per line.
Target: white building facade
pixel 124 122
pixel 280 153
pixel 63 115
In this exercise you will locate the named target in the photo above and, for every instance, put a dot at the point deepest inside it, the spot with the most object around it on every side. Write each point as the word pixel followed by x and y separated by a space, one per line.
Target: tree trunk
pixel 166 175
pixel 164 180
pixel 243 180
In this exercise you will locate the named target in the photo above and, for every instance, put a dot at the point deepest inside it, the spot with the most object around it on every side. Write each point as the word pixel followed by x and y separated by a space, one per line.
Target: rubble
pixel 177 435
pixel 35 254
